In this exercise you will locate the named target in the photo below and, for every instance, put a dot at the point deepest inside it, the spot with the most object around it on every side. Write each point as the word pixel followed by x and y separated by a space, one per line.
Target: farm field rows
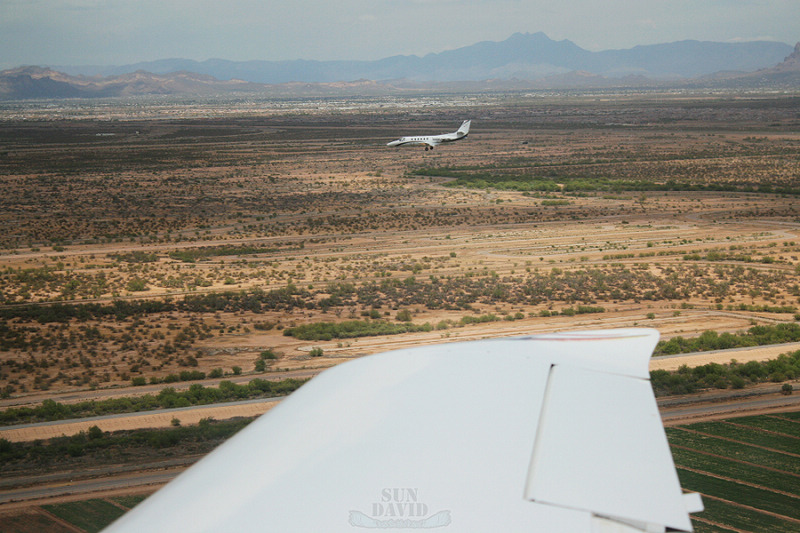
pixel 88 516
pixel 747 469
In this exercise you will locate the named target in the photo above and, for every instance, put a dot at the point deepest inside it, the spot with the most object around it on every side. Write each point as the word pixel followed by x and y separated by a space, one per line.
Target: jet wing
pixel 552 433
pixel 433 143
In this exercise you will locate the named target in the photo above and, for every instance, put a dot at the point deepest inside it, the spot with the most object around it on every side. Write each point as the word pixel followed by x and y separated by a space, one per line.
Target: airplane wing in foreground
pixel 551 433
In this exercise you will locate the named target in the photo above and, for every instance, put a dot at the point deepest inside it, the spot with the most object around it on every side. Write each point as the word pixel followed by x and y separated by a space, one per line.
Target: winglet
pixel 693 502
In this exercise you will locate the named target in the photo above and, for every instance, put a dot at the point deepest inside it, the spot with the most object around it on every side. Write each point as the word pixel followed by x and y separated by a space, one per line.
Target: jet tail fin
pixel 464 129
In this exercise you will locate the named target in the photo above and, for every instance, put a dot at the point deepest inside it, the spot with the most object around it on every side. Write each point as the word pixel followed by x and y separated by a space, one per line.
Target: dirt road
pixel 715 410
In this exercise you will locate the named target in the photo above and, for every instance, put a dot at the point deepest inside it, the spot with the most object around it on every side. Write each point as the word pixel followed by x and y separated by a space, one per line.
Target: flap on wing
pixel 601 447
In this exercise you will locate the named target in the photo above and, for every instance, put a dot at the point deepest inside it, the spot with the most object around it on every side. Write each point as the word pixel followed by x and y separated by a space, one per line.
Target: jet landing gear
pixel 428 148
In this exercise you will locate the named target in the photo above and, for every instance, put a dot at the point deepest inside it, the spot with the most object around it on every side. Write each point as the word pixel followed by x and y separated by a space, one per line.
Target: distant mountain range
pixel 521 61
pixel 521 56
pixel 38 82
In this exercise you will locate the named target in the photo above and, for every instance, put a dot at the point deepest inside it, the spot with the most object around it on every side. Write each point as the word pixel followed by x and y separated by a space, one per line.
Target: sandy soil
pixel 331 204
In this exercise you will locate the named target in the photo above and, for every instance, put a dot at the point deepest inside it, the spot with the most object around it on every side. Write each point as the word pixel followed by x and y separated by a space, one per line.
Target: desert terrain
pixel 302 215
pixel 167 243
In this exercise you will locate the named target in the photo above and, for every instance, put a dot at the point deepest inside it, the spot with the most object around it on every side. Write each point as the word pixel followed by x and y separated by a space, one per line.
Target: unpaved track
pixel 702 412
pixel 28 496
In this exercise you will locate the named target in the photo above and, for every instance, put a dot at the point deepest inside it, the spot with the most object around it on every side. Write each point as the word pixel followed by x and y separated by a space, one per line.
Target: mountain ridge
pixel 40 82
pixel 524 61
pixel 535 54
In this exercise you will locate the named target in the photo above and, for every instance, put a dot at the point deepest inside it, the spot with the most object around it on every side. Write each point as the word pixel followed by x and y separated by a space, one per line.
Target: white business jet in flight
pixel 432 141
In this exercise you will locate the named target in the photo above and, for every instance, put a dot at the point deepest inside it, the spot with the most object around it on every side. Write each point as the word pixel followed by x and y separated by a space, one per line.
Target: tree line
pixel 325 331
pixel 167 398
pixel 256 300
pixel 722 376
pixel 95 443
pixel 711 340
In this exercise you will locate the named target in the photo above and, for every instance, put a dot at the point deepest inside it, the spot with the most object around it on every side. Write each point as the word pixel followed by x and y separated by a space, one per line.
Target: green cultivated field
pixel 747 469
pixel 737 518
pixel 89 515
pixel 786 424
pixel 758 437
pixel 735 451
pixel 724 467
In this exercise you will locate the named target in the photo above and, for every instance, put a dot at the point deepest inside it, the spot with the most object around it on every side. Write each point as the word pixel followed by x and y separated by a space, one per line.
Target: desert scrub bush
pixel 711 340
pixel 721 376
pixel 325 331
pixel 60 448
pixel 197 394
pixel 316 351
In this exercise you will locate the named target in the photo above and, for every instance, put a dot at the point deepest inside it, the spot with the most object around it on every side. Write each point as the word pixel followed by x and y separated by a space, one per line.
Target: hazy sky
pixel 116 32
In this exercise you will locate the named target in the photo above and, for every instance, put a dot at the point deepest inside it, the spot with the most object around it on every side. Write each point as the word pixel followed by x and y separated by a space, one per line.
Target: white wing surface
pixel 547 433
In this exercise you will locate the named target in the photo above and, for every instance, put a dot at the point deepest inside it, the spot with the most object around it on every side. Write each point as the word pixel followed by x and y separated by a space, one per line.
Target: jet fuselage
pixel 431 141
